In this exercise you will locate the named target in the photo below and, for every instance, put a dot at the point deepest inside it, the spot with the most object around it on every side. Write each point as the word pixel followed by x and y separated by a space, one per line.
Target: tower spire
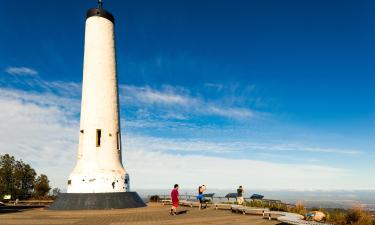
pixel 100 4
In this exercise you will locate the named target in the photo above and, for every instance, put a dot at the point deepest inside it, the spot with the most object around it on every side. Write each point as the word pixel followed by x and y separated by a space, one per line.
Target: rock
pixel 316 216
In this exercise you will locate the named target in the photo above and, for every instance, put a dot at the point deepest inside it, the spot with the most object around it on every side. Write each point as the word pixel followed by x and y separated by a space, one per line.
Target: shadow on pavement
pixel 15 209
pixel 182 212
pixel 3 211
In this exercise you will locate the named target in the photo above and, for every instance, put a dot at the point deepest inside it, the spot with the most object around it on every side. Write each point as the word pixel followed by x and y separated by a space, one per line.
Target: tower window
pixel 118 141
pixel 98 137
pixel 81 131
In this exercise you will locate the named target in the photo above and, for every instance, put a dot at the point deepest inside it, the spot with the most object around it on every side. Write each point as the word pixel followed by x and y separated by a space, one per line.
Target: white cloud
pixel 67 89
pixel 171 99
pixel 291 147
pixel 236 113
pixel 203 146
pixel 21 71
pixel 157 170
pixel 42 129
pixel 176 145
pixel 66 105
pixel 148 95
pixel 215 86
pixel 172 102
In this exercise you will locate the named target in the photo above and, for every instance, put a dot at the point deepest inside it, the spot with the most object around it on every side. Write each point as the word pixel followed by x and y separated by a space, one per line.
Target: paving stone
pixel 153 214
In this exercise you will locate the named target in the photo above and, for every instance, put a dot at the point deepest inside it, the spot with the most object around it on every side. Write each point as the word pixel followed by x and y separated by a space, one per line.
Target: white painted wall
pixel 99 169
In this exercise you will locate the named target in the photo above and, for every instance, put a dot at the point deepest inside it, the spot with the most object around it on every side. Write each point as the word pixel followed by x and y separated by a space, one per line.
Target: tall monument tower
pixel 99 167
pixel 99 180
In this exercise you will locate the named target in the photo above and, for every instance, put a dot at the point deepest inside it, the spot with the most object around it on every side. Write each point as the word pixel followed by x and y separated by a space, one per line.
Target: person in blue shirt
pixel 200 196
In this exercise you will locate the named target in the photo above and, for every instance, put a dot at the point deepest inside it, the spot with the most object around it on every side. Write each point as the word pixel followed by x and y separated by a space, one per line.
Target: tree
pixel 41 186
pixel 24 177
pixel 55 192
pixel 7 163
pixel 18 179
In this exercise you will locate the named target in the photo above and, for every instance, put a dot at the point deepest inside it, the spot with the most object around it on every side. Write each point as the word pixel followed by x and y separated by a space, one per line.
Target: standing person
pixel 240 195
pixel 200 196
pixel 175 196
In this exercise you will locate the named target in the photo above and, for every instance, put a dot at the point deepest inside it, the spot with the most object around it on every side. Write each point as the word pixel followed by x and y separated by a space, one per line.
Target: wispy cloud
pixel 41 128
pixel 177 99
pixel 66 105
pixel 36 84
pixel 149 96
pixel 176 145
pixel 168 102
pixel 21 71
pixel 229 112
pixel 291 147
pixel 216 172
pixel 205 146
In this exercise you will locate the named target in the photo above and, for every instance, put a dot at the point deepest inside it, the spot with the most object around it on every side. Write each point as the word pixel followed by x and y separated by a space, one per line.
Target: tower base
pixel 85 201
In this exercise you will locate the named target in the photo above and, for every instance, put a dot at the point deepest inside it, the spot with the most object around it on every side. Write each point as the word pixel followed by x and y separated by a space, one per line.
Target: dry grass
pixel 355 216
pixel 300 209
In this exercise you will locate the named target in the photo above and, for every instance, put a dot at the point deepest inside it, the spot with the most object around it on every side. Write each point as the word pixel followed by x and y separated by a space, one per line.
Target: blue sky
pixel 273 86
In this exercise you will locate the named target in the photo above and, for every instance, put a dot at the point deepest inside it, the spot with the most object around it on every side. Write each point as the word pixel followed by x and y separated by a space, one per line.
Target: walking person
pixel 240 199
pixel 175 196
pixel 200 196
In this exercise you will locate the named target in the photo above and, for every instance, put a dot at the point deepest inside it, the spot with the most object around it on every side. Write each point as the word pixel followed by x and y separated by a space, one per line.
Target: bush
pixel 300 209
pixel 279 207
pixel 273 206
pixel 154 198
pixel 358 216
pixel 337 217
pixel 354 216
pixel 256 203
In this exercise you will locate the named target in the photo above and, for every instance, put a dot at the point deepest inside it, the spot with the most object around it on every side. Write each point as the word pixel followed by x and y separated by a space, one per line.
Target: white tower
pixel 99 181
pixel 99 168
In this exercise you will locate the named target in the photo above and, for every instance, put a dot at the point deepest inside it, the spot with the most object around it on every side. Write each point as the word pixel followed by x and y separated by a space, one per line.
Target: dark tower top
pixel 99 11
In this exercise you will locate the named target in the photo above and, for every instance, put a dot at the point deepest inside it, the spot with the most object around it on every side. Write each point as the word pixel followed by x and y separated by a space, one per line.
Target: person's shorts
pixel 175 204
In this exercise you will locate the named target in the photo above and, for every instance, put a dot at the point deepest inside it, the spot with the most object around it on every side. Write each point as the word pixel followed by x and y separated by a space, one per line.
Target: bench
pixel 189 203
pixel 290 218
pixel 255 211
pixel 238 209
pixel 273 215
pixel 223 206
pixel 166 201
pixel 296 219
pixel 249 210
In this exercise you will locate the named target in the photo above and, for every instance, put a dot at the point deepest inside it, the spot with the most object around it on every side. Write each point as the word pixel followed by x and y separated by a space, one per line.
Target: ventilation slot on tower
pixel 118 141
pixel 98 137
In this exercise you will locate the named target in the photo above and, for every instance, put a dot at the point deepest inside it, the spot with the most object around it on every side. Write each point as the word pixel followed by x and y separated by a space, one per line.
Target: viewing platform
pixel 154 213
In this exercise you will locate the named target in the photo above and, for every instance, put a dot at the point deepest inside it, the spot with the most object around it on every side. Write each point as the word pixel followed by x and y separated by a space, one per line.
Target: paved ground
pixel 154 214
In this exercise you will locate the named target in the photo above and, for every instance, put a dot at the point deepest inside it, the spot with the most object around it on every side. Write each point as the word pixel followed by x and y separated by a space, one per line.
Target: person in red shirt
pixel 175 199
